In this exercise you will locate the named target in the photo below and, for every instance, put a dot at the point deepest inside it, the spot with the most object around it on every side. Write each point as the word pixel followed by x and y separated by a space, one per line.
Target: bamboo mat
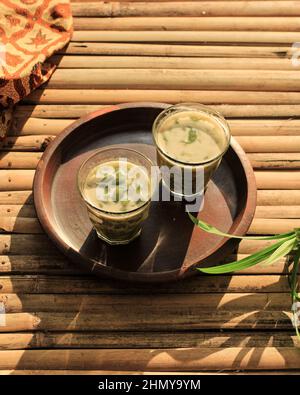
pixel 233 55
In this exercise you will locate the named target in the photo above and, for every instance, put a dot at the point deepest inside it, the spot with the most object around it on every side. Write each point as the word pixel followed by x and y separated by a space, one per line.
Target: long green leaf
pixel 287 242
pixel 211 229
pixel 294 274
pixel 294 285
pixel 248 261
pixel 280 252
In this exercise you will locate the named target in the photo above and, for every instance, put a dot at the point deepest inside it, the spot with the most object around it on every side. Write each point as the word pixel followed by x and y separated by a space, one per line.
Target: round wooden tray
pixel 170 247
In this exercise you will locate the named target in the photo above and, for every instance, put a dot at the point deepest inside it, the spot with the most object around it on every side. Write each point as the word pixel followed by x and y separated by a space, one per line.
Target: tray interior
pixel 169 246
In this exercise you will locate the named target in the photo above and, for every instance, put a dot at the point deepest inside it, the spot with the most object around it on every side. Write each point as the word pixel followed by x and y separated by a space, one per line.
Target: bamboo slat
pixel 239 127
pixel 20 225
pixel 275 160
pixel 258 110
pixel 87 48
pixel 54 265
pixel 277 212
pixel 278 198
pixel 251 246
pixel 169 304
pixel 53 111
pixel 205 284
pixel 18 244
pixel 190 359
pixel 25 211
pixel 14 180
pixel 265 127
pixel 18 372
pixel 102 96
pixel 270 143
pixel 37 126
pixel 25 143
pixel 187 36
pixel 16 197
pixel 266 225
pixel 57 265
pixel 47 372
pixel 237 320
pixel 177 79
pixel 188 8
pixel 19 160
pixel 120 339
pixel 78 110
pixel 270 179
pixel 158 62
pixel 184 23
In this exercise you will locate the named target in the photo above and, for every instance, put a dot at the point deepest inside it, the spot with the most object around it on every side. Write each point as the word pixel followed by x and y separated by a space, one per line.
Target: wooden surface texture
pixel 236 56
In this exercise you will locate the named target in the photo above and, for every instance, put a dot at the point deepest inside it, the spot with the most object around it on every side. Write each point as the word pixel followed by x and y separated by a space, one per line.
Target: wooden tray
pixel 169 247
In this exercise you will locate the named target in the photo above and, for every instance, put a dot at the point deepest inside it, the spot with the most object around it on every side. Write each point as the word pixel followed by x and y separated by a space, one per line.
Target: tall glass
pixel 119 221
pixel 191 140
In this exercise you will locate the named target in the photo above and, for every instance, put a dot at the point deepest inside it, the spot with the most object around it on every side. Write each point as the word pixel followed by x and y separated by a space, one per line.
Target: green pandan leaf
pixel 280 252
pixel 249 261
pixel 294 288
pixel 294 274
pixel 211 229
pixel 286 242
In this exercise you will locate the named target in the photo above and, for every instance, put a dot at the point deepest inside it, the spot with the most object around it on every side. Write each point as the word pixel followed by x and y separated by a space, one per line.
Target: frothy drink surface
pixel 191 137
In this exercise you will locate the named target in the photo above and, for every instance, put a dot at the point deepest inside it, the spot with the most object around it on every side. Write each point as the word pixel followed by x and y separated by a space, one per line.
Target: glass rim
pixel 189 107
pixel 106 211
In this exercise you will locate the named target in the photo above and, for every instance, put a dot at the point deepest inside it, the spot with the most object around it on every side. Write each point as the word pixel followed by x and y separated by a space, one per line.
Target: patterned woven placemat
pixel 30 31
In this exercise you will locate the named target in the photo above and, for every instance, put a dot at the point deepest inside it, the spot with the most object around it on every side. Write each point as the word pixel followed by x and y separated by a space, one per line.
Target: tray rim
pixel 246 215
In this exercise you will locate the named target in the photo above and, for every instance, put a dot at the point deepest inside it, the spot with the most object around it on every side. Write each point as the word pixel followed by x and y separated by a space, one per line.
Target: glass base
pixel 118 242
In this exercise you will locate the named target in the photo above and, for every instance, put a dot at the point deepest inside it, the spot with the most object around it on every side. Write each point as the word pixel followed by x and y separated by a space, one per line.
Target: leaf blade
pixel 245 262
pixel 211 229
pixel 280 252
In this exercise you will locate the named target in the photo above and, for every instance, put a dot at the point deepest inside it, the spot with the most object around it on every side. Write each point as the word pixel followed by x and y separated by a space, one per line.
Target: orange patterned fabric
pixel 30 31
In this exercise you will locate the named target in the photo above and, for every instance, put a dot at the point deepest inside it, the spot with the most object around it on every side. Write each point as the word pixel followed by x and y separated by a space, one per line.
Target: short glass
pixel 189 177
pixel 117 226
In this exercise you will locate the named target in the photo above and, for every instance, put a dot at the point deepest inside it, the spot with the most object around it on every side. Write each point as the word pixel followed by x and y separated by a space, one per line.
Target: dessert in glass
pixel 191 140
pixel 116 185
